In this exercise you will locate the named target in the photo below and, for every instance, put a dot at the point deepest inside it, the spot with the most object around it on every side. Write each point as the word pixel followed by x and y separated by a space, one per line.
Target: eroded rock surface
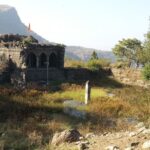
pixel 69 136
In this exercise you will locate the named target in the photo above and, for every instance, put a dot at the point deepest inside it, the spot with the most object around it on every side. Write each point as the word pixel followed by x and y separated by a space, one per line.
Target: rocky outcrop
pixel 10 18
pixel 71 135
pixel 136 139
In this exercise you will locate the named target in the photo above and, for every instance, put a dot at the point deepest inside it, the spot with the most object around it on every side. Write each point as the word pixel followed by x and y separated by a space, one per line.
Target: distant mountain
pixel 83 53
pixel 10 23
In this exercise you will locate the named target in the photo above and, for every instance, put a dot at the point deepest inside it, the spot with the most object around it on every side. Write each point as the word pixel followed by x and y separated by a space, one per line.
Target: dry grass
pixel 29 118
pixel 110 108
pixel 138 98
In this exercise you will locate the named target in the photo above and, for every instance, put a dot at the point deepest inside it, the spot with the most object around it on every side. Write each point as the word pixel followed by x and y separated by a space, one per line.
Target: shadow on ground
pixel 26 125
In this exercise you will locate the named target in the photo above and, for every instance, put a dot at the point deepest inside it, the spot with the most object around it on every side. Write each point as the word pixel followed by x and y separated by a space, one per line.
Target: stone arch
pixel 42 60
pixel 31 60
pixel 53 62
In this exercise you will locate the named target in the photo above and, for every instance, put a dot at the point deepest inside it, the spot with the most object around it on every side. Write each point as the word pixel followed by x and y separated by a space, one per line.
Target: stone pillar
pixel 37 61
pixel 47 69
pixel 87 92
pixel 47 59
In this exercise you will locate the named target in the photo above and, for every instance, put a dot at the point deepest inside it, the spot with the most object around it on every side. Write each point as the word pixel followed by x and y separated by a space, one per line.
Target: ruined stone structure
pixel 23 57
pixel 37 61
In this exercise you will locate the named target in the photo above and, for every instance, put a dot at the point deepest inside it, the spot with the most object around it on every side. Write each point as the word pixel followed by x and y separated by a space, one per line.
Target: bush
pixel 97 64
pixel 74 63
pixel 146 71
pixel 94 65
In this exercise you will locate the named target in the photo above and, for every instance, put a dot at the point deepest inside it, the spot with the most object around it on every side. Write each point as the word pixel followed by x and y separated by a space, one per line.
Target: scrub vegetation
pixel 29 118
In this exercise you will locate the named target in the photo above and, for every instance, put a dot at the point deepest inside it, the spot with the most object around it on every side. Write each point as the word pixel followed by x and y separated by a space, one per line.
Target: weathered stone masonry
pixel 38 62
pixel 43 58
pixel 33 58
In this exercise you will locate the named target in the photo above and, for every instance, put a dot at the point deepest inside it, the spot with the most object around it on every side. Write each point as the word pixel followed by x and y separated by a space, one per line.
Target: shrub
pixel 94 65
pixel 146 71
pixel 104 62
pixel 110 108
pixel 74 63
pixel 97 64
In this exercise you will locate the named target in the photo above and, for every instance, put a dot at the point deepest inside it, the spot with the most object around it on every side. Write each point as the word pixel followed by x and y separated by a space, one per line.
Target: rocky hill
pixel 10 23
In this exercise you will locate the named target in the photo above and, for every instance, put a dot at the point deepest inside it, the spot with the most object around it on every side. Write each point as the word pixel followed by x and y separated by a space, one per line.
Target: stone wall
pixel 12 53
pixel 47 50
pixel 130 77
pixel 4 77
pixel 25 53
pixel 42 74
pixel 66 74
pixel 1 77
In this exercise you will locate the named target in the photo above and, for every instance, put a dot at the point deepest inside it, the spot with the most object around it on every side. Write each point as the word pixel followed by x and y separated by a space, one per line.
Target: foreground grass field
pixel 29 118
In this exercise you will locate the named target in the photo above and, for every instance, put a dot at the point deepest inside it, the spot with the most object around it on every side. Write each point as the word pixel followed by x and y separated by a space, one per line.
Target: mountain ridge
pixel 10 23
pixel 84 53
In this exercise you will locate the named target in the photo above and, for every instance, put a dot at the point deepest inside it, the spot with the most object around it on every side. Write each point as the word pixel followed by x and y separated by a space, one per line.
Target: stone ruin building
pixel 37 62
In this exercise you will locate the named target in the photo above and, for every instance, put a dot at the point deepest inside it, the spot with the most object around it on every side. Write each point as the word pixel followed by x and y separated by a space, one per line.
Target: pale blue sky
pixel 90 23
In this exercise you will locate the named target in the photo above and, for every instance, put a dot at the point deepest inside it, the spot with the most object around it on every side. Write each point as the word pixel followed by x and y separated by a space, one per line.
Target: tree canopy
pixel 94 56
pixel 146 48
pixel 129 50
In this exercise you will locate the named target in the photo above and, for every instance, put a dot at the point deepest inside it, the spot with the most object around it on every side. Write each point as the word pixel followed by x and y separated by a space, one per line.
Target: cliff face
pixel 10 23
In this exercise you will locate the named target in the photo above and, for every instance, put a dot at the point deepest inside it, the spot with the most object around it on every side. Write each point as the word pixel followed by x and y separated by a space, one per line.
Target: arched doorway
pixel 31 60
pixel 42 60
pixel 53 60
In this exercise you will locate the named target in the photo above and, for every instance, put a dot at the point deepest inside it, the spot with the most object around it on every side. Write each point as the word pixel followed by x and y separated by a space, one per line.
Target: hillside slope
pixel 10 23
pixel 84 53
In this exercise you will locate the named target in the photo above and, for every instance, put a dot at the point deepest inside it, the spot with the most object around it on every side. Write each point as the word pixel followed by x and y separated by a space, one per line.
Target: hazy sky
pixel 90 23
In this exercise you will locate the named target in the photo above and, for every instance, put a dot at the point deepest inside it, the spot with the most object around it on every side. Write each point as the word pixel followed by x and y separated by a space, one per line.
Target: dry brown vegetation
pixel 29 118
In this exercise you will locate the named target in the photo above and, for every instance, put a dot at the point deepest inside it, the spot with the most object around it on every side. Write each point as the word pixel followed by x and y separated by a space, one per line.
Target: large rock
pixel 112 147
pixel 132 146
pixel 71 135
pixel 82 146
pixel 146 145
pixel 140 125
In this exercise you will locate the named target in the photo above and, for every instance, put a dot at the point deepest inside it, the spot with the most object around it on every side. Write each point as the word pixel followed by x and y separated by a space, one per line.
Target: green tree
pixel 129 50
pixel 146 71
pixel 94 56
pixel 146 49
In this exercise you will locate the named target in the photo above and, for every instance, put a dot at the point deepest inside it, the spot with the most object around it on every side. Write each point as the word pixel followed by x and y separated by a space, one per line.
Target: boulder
pixel 131 134
pixel 112 147
pixel 146 145
pixel 89 135
pixel 140 125
pixel 132 146
pixel 146 131
pixel 82 146
pixel 69 136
